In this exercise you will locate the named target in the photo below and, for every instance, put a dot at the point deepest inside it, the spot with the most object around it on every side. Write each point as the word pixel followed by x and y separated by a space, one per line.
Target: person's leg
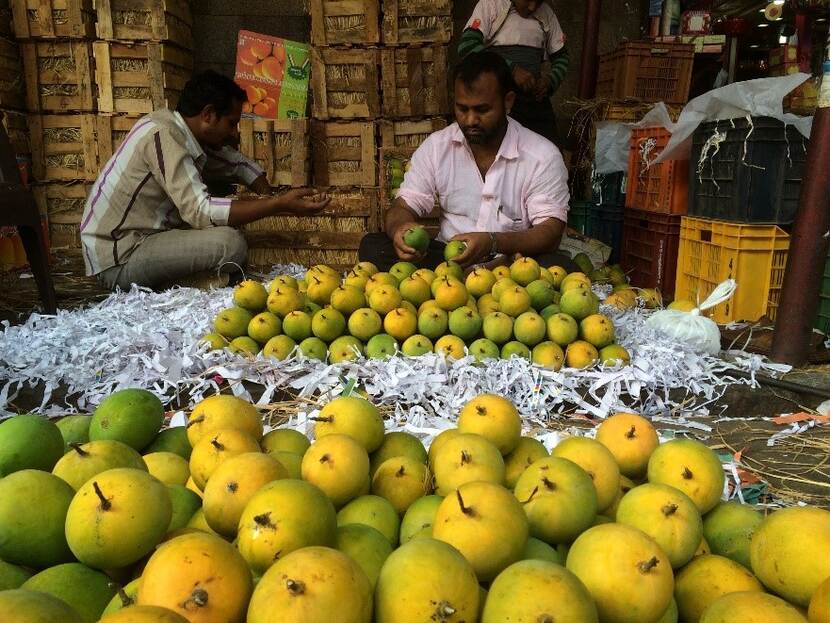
pixel 166 258
pixel 378 249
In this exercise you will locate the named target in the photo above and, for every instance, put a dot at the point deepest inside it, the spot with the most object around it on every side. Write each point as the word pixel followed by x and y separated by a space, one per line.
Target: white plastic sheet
pixel 763 97
pixel 757 98
pixel 614 139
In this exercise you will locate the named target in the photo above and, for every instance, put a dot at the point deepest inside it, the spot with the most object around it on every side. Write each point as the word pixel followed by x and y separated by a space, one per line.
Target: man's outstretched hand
pixel 479 245
pixel 403 250
pixel 297 201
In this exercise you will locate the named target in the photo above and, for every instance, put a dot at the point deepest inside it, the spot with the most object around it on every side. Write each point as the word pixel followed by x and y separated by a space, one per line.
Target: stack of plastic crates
pixel 745 186
pixel 656 198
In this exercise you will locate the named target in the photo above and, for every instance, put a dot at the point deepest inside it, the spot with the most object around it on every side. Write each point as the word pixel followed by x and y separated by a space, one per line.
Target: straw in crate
pixel 281 147
pixel 415 81
pixel 139 78
pixel 145 20
pixel 344 153
pixel 334 22
pixel 63 147
pixel 53 19
pixel 331 237
pixel 417 21
pixel 345 83
pixel 58 76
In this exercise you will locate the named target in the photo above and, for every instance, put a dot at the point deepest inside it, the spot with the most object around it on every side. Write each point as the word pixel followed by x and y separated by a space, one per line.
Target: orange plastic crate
pixel 648 71
pixel 755 256
pixel 652 187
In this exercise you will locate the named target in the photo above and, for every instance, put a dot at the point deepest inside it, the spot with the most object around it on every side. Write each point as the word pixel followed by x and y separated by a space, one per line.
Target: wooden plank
pixel 17 130
pixel 12 92
pixel 111 130
pixel 53 19
pixel 304 239
pixel 62 203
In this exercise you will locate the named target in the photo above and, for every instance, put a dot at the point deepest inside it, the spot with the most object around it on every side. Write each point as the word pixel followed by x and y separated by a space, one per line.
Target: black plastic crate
pixel 605 223
pixel 609 189
pixel 746 171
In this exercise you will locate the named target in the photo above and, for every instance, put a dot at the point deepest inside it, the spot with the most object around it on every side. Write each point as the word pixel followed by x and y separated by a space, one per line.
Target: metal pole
pixel 590 44
pixel 808 252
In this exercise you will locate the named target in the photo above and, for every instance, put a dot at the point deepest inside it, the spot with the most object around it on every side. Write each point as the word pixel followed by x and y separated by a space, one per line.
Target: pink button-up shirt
pixel 526 184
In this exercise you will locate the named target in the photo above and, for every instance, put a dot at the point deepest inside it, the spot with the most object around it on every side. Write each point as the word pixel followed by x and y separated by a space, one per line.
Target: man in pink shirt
pixel 503 189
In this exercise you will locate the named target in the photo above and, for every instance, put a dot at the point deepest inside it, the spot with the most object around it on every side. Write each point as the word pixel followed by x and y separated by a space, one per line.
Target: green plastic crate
pixel 823 318
pixel 578 215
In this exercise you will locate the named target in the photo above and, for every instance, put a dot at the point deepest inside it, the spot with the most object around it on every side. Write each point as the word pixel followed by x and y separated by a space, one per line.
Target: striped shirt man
pixel 155 182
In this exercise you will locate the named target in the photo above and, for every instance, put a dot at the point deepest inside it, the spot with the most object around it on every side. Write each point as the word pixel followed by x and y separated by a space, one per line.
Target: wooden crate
pixel 11 76
pixel 59 76
pixel 63 147
pixel 417 21
pixel 17 130
pixel 53 19
pixel 344 153
pixel 5 19
pixel 332 237
pixel 282 147
pixel 111 131
pixel 398 141
pixel 415 81
pixel 145 20
pixel 139 78
pixel 345 83
pixel 345 22
pixel 63 206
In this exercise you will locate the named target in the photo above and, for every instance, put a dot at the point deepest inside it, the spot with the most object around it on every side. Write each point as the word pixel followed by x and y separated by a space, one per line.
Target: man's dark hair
pixel 210 88
pixel 474 65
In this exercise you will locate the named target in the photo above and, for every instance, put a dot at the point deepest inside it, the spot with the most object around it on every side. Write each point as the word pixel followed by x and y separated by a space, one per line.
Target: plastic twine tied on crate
pixel 712 143
pixel 647 146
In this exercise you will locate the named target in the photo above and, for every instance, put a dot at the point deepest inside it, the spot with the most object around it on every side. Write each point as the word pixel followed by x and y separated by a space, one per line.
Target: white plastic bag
pixel 697 331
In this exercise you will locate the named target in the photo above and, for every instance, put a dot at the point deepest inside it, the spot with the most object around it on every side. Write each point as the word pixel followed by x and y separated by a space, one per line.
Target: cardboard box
pixel 275 73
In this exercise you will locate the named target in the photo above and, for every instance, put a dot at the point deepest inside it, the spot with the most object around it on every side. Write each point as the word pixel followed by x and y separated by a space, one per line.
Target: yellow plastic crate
pixel 755 256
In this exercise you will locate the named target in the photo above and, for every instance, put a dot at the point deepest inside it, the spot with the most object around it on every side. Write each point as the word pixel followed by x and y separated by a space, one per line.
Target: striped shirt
pixel 155 182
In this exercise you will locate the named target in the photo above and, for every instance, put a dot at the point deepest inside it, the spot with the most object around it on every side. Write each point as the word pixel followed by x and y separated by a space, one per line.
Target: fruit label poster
pixel 274 73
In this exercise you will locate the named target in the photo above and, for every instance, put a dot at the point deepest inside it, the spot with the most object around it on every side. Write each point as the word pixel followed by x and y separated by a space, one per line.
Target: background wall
pixel 217 22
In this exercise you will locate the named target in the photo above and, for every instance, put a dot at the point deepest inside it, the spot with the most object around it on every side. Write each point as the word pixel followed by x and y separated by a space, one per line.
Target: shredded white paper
pixel 151 340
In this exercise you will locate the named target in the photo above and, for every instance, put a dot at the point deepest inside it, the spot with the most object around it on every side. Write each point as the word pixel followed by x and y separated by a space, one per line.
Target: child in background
pixel 526 33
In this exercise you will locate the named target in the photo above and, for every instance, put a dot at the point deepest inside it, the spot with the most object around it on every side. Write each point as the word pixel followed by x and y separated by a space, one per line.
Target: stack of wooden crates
pixel 91 69
pixel 12 112
pixel 379 88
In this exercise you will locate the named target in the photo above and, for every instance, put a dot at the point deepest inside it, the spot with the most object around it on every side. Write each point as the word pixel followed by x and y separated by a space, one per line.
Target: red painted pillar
pixel 808 251
pixel 590 44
